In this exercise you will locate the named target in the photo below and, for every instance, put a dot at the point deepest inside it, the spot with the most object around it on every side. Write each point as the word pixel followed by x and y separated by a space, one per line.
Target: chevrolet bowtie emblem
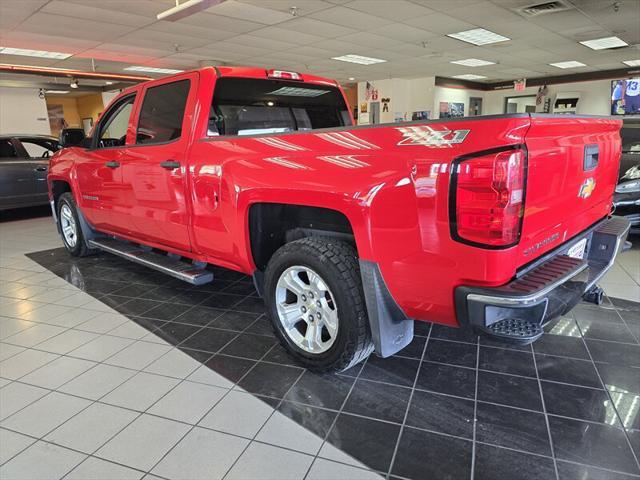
pixel 587 188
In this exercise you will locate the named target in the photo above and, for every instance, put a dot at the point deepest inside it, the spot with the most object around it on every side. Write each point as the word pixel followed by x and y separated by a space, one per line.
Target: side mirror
pixel 71 137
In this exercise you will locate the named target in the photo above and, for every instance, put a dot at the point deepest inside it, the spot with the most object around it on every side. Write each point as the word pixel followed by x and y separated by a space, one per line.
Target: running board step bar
pixel 163 263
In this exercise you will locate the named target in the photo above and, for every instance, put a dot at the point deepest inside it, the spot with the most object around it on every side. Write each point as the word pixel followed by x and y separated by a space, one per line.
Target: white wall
pixel 595 97
pixel 455 95
pixel 409 95
pixel 21 111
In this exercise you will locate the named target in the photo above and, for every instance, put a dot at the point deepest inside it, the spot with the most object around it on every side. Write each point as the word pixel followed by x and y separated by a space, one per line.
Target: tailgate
pixel 572 171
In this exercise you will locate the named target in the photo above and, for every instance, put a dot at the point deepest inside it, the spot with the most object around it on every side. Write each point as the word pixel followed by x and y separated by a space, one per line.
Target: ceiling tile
pixel 304 7
pixel 228 50
pixel 252 41
pixel 61 26
pixel 175 28
pixel 393 9
pixel 90 12
pixel 211 21
pixel 368 39
pixel 316 27
pixel 284 35
pixel 404 33
pixel 350 18
pixel 253 13
pixel 439 23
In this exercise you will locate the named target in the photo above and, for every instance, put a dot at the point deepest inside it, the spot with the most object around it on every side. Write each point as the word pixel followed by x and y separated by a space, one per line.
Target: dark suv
pixel 627 196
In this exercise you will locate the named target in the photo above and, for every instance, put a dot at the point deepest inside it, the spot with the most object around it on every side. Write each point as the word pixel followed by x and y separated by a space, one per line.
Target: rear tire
pixel 69 225
pixel 338 336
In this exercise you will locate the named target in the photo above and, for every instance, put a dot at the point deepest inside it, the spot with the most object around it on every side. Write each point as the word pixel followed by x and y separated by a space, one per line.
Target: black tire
pixel 80 249
pixel 336 262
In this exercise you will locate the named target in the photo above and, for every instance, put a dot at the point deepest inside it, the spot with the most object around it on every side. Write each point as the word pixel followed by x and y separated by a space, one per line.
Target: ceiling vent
pixel 544 8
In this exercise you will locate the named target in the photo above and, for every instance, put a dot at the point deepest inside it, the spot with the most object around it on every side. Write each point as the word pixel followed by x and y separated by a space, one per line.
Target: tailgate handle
pixel 590 157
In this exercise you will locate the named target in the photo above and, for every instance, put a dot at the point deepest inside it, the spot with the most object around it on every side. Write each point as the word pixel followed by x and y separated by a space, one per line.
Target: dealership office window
pixel 162 113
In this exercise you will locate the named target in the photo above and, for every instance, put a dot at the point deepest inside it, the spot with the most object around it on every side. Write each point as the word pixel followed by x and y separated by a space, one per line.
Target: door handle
pixel 41 169
pixel 112 164
pixel 170 164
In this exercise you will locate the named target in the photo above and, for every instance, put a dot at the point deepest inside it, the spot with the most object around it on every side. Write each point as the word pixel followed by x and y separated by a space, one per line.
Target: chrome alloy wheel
pixel 306 309
pixel 68 226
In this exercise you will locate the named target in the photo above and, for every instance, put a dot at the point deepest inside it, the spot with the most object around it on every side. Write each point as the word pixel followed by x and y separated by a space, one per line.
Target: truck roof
pixel 248 72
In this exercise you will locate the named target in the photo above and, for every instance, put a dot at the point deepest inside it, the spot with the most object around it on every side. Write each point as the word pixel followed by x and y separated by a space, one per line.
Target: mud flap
pixel 391 330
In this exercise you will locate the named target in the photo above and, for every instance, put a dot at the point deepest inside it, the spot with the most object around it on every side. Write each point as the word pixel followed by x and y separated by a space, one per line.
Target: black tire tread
pixel 344 258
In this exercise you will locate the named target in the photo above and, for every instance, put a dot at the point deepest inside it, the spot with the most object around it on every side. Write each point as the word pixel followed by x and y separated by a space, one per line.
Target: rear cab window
pixel 162 113
pixel 248 106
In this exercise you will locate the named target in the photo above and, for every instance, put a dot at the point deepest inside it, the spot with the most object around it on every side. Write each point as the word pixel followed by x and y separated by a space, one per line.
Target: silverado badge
pixel 587 188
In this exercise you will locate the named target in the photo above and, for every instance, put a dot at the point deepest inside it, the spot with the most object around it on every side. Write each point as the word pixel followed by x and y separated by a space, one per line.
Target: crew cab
pixel 351 233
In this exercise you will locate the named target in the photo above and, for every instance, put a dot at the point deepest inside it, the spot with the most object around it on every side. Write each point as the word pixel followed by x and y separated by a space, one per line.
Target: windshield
pixel 247 106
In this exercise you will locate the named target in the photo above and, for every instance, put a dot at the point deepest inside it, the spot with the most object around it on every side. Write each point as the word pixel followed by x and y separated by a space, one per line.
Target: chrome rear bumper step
pixel 163 263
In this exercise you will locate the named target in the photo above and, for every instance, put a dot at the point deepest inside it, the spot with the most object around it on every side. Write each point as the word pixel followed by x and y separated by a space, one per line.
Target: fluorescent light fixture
pixel 108 83
pixel 34 53
pixel 59 92
pixel 138 68
pixel 604 43
pixel 469 76
pixel 359 59
pixel 298 92
pixel 473 62
pixel 479 36
pixel 632 63
pixel 569 64
pixel 182 10
pixel 351 79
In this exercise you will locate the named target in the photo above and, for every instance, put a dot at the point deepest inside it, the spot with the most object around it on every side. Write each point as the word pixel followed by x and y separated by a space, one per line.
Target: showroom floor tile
pixel 110 370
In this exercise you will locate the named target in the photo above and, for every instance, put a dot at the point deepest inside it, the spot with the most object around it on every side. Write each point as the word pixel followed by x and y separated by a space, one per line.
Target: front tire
pixel 69 224
pixel 314 298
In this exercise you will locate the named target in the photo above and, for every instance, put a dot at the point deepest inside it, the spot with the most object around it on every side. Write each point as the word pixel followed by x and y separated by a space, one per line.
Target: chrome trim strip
pixel 528 299
pixel 538 296
pixel 192 276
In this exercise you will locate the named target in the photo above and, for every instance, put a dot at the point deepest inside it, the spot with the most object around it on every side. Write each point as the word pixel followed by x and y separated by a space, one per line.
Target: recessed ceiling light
pixel 632 63
pixel 604 43
pixel 358 59
pixel 473 62
pixel 34 53
pixel 469 76
pixel 569 64
pixel 351 79
pixel 137 68
pixel 479 36
pixel 57 91
pixel 108 83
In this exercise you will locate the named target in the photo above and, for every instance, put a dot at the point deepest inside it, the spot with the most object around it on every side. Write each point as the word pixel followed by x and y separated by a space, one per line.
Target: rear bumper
pixel 547 289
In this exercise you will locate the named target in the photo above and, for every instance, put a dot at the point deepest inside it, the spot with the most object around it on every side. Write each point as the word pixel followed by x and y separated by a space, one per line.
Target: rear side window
pixel 247 106
pixel 162 113
pixel 6 148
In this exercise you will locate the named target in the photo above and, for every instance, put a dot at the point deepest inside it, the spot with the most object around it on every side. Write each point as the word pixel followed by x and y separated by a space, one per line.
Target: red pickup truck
pixel 497 223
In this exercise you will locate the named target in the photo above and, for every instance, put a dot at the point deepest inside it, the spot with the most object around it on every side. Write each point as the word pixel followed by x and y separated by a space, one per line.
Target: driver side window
pixel 113 127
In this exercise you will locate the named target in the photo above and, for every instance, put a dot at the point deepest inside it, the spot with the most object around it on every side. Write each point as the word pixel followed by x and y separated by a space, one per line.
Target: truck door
pixel 98 169
pixel 155 168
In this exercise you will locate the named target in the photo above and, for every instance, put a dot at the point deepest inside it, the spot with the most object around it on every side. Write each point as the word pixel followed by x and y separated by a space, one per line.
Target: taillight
pixel 488 202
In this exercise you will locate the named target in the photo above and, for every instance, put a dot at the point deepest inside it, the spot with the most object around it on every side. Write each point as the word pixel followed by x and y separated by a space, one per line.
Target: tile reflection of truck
pixel 498 224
